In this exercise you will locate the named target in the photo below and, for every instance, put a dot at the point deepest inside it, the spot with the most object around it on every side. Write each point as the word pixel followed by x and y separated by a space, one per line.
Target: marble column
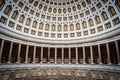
pixel 41 55
pixel 55 55
pixel 84 58
pixel 10 52
pixel 26 56
pixel 69 55
pixel 91 53
pixel 76 55
pixel 118 52
pixel 1 49
pixel 18 56
pixel 99 53
pixel 108 54
pixel 48 54
pixel 34 54
pixel 62 55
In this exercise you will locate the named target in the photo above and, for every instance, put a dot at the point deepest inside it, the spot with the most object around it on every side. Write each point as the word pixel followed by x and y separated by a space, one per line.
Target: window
pixel 78 26
pixel 50 9
pixel 45 8
pixel 100 28
pixel 85 32
pixel 59 10
pixel 41 25
pixel 71 27
pixel 26 8
pixel 46 34
pixel 35 3
pixel 84 24
pixel 33 32
pixel 107 25
pixel 69 10
pixel 116 21
pixel 104 16
pixel 78 6
pixel 31 12
pixel 117 3
pixel 11 24
pixel 34 24
pixel 47 27
pixel 83 4
pixel 78 34
pixel 30 1
pixel 65 35
pixel 39 33
pixel 111 11
pixel 99 5
pixel 21 19
pixel 64 10
pixel 104 1
pixel 93 9
pixel 2 3
pixel 65 27
pixel 40 6
pixel 59 35
pixel 74 8
pixel 71 34
pixel 20 4
pixel 8 9
pixel 28 21
pixel 26 30
pixel 88 1
pixel 19 28
pixel 97 19
pixel 53 35
pixel 15 15
pixel 59 27
pixel 37 14
pixel 53 27
pixel 3 20
pixel 90 22
pixel 54 10
pixel 92 31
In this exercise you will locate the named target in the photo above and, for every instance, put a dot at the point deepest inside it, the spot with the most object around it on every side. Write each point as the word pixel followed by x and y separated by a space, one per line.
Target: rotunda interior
pixel 59 39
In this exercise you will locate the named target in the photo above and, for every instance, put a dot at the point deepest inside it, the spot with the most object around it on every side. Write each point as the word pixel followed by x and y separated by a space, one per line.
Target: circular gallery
pixel 59 39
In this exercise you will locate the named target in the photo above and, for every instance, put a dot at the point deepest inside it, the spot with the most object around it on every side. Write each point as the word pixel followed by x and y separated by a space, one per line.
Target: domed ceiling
pixel 59 20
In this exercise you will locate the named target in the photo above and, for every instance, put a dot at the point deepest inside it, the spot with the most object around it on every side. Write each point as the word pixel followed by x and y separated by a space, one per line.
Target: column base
pixel 41 62
pixel 84 63
pixel 62 62
pixel 26 62
pixel 76 62
pixel 118 63
pixel 8 62
pixel 33 62
pixel 92 63
pixel 17 62
pixel 100 63
pixel 109 63
pixel 55 62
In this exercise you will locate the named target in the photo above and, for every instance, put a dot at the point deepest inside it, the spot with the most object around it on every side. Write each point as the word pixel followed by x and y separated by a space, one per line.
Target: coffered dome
pixel 61 21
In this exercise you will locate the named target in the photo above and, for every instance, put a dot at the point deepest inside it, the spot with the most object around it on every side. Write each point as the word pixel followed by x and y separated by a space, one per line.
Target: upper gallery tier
pixel 60 21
